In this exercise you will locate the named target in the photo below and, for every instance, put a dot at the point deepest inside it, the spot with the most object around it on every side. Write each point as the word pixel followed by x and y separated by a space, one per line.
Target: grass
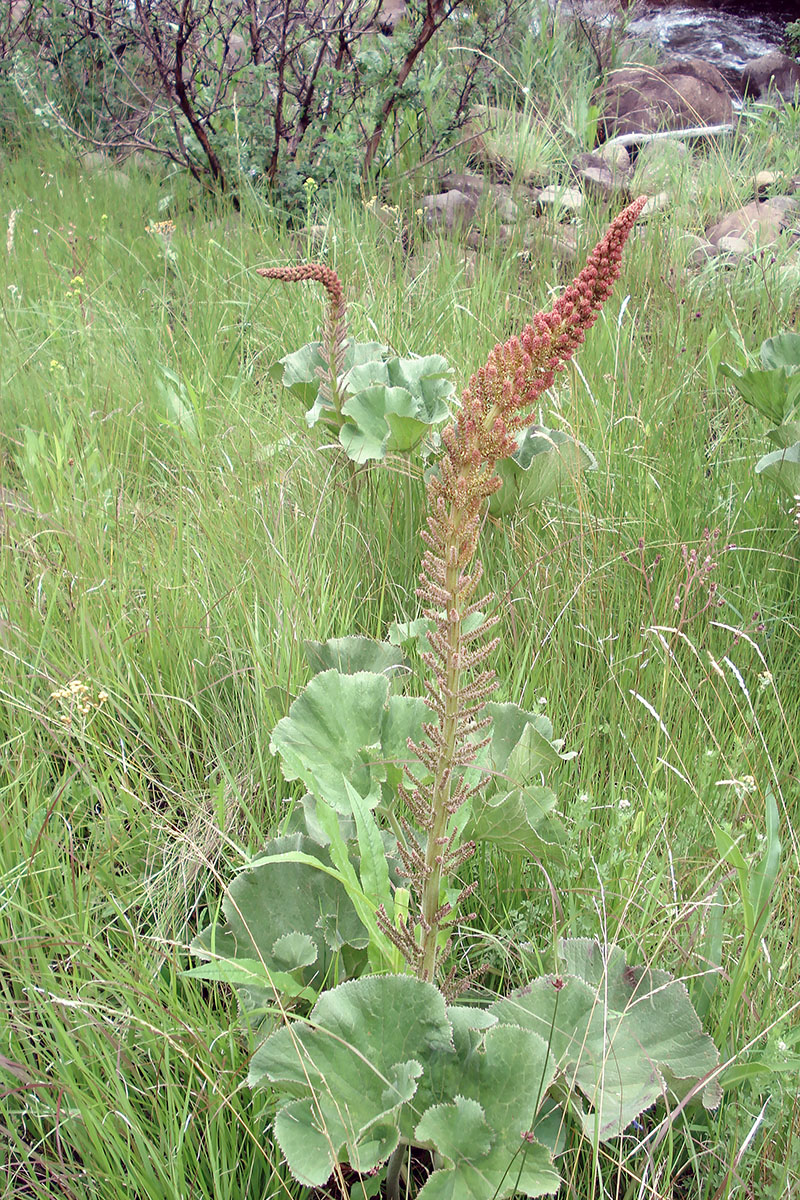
pixel 172 533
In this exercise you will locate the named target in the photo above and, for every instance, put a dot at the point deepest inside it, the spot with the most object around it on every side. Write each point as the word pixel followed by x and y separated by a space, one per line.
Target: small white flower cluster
pixel 76 699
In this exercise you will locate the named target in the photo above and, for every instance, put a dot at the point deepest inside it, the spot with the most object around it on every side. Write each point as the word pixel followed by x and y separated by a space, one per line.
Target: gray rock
pixel 674 95
pixel 450 210
pixel 764 180
pixel 659 165
pixel 655 203
pixel 771 73
pixel 600 180
pixel 733 247
pixel 699 250
pixel 469 182
pixel 566 198
pixel 614 155
pixel 496 196
pixel 505 207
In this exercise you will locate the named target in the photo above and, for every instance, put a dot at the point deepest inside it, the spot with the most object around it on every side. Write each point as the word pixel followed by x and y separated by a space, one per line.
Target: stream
pixel 724 32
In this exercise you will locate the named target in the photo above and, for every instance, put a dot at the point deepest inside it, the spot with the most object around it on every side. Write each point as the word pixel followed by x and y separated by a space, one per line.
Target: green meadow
pixel 171 533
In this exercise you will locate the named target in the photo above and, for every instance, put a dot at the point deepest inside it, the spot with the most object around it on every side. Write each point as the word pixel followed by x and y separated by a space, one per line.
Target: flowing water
pixel 724 32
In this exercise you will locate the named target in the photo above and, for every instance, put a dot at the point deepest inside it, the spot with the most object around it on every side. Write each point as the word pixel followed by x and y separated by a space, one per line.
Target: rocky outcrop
pixel 771 74
pixel 673 95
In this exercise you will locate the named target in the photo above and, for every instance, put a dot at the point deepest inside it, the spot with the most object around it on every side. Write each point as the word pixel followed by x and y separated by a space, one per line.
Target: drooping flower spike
pixel 497 403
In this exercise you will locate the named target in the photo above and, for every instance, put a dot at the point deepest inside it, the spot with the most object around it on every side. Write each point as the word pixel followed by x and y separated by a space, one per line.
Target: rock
pixel 566 198
pixel 655 203
pixel 699 250
pixel 763 182
pixel 564 245
pixel 600 180
pixel 674 95
pixel 614 155
pixel 469 182
pixel 497 196
pixel 505 207
pixel 733 247
pixel 451 209
pixel 756 223
pixel 771 73
pixel 659 165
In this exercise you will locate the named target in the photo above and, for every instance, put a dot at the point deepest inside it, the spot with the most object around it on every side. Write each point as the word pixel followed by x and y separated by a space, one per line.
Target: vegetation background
pixel 170 533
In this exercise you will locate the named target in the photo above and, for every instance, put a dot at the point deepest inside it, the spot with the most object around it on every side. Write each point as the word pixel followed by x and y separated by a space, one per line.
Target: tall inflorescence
pixel 497 403
pixel 334 330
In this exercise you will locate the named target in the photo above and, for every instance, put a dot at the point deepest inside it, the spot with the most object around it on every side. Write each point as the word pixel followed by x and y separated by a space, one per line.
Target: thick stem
pixel 442 788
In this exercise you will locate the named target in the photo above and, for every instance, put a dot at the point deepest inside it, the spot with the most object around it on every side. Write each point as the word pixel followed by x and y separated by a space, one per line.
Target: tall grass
pixel 170 534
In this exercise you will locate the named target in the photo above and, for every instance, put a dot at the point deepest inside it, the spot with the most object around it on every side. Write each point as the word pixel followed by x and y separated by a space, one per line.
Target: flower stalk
pixel 496 405
pixel 334 330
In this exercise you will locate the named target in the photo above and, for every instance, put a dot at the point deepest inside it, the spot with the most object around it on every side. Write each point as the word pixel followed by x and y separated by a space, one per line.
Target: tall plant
pixel 498 402
pixel 387 1061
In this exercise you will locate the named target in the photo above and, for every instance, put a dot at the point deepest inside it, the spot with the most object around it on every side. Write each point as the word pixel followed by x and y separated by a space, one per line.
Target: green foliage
pixel 545 461
pixel 184 583
pixel 383 1062
pixel 774 391
pixel 513 810
pixel 624 1037
pixel 791 37
pixel 345 739
pixel 390 403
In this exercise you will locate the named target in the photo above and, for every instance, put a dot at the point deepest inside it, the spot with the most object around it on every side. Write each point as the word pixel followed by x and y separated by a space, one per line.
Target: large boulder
pixel 674 95
pixel 773 72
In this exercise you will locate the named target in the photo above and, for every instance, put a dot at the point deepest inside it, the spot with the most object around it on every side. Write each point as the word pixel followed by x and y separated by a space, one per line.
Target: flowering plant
pixel 399 789
pixel 374 402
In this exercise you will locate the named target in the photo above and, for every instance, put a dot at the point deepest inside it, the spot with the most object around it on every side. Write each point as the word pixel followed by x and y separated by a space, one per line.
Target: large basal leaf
pixel 382 1057
pixel 287 916
pixel 355 1063
pixel 782 350
pixel 545 461
pixel 485 1100
pixel 408 634
pixel 513 810
pixel 624 1037
pixel 300 371
pixel 785 435
pixel 367 433
pixel 427 380
pixel 518 821
pixel 393 404
pixel 782 467
pixel 349 655
pixel 522 744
